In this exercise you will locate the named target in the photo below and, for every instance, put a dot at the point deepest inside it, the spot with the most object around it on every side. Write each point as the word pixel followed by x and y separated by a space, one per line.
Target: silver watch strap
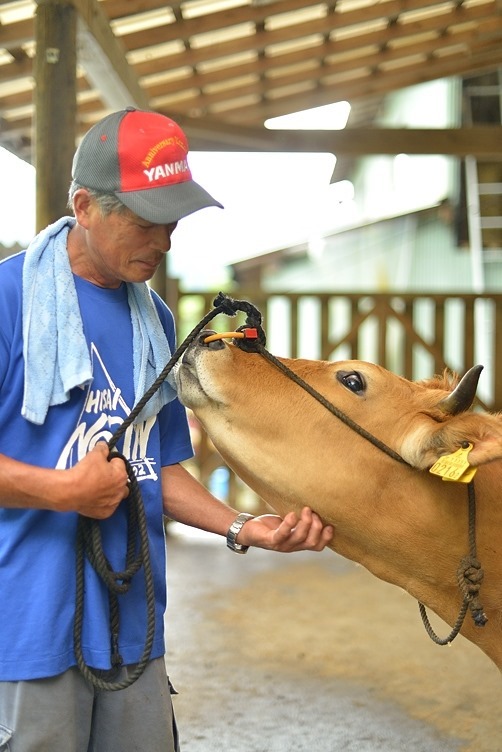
pixel 234 530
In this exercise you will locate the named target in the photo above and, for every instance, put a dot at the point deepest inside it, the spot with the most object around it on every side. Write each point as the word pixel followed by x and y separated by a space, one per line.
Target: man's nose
pixel 161 237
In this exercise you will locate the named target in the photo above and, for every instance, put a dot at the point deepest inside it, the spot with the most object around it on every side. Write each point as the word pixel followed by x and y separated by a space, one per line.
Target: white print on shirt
pixel 103 412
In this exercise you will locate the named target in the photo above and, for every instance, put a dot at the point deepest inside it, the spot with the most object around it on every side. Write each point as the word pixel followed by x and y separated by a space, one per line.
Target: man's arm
pixel 94 487
pixel 188 501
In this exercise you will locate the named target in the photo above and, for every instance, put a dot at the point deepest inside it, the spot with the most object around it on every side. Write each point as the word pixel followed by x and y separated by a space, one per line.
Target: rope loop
pixel 230 307
pixel 253 320
pixel 470 576
pixel 454 632
pixel 89 546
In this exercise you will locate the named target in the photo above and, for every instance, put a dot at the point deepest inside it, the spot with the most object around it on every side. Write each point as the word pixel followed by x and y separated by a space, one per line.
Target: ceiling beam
pixel 433 53
pixel 477 141
pixel 258 40
pixel 103 58
pixel 210 134
pixel 357 85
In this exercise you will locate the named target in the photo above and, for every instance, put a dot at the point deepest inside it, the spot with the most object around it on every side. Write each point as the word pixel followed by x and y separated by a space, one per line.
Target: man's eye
pixel 352 380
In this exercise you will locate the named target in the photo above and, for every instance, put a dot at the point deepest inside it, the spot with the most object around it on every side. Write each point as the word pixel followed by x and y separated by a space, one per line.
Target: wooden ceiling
pixel 222 67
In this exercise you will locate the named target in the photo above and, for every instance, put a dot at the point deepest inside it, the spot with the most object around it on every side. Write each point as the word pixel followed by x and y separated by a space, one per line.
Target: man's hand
pixel 188 501
pixel 293 533
pixel 95 485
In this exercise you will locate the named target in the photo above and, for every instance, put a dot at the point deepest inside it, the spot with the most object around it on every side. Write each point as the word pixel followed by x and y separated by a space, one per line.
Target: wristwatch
pixel 234 530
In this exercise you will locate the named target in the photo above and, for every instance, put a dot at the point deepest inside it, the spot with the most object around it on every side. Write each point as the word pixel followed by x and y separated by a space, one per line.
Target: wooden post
pixel 55 106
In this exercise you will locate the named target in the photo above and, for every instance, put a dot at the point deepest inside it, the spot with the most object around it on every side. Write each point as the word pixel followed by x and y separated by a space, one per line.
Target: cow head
pixel 244 397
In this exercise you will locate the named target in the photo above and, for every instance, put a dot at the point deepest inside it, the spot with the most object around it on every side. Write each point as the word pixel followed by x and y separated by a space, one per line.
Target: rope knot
pixel 470 576
pixel 229 306
pixel 226 304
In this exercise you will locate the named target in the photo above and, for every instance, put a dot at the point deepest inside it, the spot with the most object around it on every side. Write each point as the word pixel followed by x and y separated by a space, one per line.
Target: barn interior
pixel 221 69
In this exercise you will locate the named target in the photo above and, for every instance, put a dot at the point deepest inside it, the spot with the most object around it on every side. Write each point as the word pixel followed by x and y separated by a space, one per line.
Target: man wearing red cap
pixel 82 339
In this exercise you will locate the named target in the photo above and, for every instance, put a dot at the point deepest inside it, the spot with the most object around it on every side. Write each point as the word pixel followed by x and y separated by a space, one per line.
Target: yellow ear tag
pixel 455 466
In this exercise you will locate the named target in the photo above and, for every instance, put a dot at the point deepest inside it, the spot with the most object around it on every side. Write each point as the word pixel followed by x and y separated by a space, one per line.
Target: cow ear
pixel 486 449
pixel 482 430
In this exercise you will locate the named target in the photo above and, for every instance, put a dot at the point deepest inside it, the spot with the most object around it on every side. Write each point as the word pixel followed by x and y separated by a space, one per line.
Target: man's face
pixel 119 247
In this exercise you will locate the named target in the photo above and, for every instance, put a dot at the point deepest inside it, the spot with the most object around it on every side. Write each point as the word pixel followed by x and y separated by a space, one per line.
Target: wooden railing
pixel 413 334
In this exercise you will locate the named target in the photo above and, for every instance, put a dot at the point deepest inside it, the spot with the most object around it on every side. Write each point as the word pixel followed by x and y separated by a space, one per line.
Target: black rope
pixel 469 577
pixel 89 543
pixel 329 406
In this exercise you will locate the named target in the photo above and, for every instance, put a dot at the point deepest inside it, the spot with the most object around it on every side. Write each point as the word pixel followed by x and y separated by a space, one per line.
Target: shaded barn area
pixel 310 652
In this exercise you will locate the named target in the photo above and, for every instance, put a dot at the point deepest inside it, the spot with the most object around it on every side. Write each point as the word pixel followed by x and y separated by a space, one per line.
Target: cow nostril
pixel 216 344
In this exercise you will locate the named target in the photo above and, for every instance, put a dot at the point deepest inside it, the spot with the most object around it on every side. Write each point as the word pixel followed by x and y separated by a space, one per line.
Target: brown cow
pixel 402 523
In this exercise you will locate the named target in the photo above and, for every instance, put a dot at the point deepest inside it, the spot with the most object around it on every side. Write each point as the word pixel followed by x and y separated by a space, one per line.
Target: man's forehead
pixel 131 216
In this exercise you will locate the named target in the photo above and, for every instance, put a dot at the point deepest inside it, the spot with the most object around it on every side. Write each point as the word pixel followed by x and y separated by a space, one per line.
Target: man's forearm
pixel 94 487
pixel 28 486
pixel 188 501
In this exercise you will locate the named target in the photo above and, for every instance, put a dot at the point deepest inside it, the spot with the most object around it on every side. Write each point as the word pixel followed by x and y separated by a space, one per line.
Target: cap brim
pixel 167 204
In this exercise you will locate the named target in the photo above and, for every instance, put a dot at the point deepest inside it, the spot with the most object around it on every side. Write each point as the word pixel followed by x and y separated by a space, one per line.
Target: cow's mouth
pixel 190 372
pixel 188 384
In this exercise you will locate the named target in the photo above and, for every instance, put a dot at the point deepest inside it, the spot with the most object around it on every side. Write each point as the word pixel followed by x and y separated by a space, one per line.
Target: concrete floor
pixel 308 652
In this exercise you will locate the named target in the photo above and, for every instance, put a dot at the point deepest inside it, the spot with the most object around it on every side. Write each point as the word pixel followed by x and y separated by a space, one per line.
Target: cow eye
pixel 352 380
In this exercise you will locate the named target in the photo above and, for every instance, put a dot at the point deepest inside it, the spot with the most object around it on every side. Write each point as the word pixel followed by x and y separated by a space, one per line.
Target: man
pixel 82 338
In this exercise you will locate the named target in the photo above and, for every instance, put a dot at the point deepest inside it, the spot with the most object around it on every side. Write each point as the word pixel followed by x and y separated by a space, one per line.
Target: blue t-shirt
pixel 37 547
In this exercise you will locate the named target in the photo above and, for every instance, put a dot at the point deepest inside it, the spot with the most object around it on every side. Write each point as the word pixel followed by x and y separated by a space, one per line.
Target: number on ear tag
pixel 455 467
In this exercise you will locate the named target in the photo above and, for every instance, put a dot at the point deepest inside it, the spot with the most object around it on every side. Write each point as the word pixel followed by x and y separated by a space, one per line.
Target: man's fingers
pixel 102 447
pixel 114 481
pixel 305 531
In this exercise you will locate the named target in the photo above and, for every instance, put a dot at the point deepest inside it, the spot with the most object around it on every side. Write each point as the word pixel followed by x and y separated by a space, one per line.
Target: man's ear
pixel 81 206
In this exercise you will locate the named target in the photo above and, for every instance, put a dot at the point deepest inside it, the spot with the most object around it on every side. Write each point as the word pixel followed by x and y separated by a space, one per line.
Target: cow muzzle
pixel 195 377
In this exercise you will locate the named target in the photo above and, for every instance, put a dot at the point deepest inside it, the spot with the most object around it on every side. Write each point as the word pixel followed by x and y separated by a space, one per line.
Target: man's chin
pixel 143 273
